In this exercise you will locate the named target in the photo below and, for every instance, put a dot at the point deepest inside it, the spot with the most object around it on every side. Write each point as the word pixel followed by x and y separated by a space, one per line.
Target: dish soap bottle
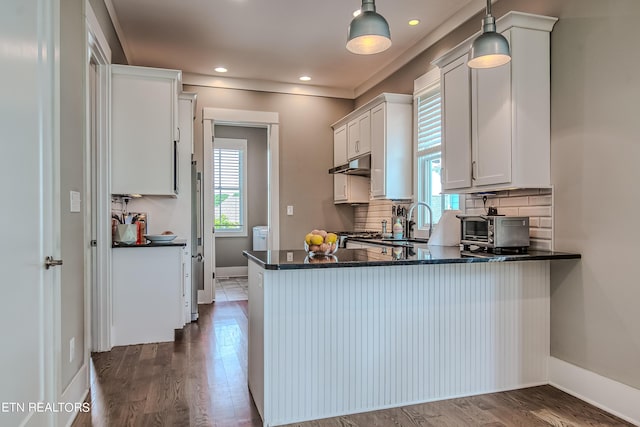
pixel 397 229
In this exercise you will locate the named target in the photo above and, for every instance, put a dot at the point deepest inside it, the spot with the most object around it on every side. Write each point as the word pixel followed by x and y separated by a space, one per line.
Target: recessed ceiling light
pixel 414 22
pixel 356 12
pixel 305 78
pixel 221 69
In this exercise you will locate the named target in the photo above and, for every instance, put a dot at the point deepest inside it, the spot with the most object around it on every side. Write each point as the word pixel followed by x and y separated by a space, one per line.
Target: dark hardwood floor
pixel 201 380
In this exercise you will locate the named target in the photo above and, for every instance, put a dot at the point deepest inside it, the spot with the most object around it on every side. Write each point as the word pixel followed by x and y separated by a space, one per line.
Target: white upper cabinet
pixel 144 130
pixel 346 188
pixel 456 127
pixel 382 127
pixel 359 136
pixel 497 121
pixel 391 154
pixel 340 146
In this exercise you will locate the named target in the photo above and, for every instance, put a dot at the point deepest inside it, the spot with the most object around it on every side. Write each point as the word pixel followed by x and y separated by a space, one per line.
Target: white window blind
pixel 229 170
pixel 429 118
pixel 428 110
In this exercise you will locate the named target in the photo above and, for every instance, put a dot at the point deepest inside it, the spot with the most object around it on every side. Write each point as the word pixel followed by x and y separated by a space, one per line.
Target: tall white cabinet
pixel 144 130
pixel 391 148
pixel 496 130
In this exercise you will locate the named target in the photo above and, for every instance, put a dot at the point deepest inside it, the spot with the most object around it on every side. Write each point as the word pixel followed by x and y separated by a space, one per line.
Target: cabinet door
pixel 359 136
pixel 340 188
pixel 456 131
pixel 365 133
pixel 143 130
pixel 340 146
pixel 378 150
pixel 350 189
pixel 491 118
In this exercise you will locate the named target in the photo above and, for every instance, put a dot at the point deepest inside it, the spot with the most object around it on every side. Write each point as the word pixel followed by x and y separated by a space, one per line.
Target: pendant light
pixel 490 49
pixel 369 31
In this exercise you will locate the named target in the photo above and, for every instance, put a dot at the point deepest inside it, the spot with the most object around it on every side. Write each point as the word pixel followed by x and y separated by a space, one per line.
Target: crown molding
pixel 194 79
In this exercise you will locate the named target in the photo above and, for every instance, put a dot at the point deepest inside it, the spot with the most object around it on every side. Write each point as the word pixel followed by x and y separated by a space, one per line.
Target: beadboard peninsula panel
pixel 350 340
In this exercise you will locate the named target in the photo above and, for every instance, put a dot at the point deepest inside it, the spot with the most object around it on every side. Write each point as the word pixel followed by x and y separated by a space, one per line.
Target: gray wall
pixel 102 15
pixel 229 249
pixel 306 154
pixel 72 110
pixel 595 88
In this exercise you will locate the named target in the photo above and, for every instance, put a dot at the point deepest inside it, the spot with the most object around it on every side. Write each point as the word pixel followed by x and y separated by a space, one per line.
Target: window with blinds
pixel 429 156
pixel 229 178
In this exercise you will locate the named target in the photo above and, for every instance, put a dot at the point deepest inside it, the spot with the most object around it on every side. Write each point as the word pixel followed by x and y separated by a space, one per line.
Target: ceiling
pixel 270 44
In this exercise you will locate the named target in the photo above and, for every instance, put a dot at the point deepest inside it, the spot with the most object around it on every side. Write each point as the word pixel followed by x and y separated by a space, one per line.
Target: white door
pixel 29 211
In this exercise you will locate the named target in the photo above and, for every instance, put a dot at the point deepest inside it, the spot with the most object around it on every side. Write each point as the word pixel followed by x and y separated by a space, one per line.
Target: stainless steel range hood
pixel 360 166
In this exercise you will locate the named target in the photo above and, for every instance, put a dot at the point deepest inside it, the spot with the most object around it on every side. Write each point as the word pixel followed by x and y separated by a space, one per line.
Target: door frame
pixel 242 118
pixel 98 294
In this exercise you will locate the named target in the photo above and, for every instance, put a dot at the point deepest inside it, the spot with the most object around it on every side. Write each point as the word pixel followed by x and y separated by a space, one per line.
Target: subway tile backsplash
pixel 536 203
pixel 369 217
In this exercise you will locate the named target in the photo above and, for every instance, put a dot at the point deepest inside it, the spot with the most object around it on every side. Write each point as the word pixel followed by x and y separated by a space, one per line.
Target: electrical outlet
pixel 72 348
pixel 289 256
pixel 289 210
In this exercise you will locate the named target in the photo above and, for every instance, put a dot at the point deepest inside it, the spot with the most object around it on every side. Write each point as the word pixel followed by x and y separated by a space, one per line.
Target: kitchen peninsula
pixel 374 328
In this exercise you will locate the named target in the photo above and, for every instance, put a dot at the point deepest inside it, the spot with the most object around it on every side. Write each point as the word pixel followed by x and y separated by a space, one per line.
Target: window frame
pixel 422 85
pixel 239 145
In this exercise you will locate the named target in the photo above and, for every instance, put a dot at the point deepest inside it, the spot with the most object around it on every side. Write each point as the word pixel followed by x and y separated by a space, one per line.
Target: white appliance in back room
pixel 260 233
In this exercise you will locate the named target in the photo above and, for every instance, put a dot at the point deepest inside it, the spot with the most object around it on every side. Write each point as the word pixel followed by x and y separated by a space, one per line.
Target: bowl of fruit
pixel 319 242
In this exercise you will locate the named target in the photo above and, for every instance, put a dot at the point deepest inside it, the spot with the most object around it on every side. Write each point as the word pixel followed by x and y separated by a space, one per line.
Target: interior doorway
pixel 97 220
pixel 241 118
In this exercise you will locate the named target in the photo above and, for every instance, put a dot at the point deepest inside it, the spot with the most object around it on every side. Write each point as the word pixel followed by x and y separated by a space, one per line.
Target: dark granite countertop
pixel 387 256
pixel 149 244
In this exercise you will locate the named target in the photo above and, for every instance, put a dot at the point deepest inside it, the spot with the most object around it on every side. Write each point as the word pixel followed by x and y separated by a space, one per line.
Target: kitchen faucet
pixel 409 224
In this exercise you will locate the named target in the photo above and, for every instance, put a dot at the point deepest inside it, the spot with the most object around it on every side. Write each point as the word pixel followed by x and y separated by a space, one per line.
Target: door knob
pixel 50 262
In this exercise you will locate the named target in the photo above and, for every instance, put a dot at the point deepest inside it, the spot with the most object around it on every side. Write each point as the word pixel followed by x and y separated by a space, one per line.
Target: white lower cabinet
pixel 148 288
pixel 360 245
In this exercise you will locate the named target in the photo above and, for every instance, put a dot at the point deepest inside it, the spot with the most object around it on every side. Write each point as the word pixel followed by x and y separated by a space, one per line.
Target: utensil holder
pixel 126 233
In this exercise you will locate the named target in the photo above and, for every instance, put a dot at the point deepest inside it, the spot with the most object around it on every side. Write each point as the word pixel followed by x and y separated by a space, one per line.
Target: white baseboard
pixel 226 272
pixel 612 396
pixel 76 392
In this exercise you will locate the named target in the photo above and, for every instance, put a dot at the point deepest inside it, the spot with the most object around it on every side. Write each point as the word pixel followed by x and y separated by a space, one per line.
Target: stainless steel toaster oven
pixel 494 232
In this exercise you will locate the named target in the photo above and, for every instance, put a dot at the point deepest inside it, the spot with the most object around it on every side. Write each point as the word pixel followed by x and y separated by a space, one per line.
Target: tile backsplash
pixel 369 217
pixel 536 203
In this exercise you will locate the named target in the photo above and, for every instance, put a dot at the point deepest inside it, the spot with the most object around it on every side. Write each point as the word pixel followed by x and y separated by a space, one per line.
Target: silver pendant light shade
pixel 490 49
pixel 369 32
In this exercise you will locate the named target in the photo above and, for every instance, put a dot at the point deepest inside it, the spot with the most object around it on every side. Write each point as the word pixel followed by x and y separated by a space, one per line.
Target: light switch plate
pixel 289 210
pixel 74 197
